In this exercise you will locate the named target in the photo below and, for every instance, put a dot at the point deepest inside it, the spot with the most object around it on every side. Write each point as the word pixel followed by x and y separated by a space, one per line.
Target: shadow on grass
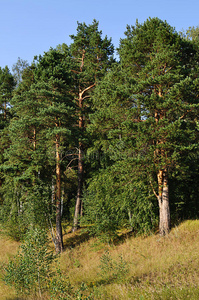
pixel 122 237
pixel 15 298
pixel 114 279
pixel 72 240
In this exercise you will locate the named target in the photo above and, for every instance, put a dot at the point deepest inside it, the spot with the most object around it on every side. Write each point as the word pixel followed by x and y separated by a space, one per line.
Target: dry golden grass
pixel 158 267
pixel 8 248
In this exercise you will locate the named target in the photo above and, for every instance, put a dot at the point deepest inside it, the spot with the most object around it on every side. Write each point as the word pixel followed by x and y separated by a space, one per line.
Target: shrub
pixel 29 271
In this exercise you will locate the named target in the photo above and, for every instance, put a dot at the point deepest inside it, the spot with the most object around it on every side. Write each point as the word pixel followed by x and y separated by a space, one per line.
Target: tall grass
pixel 141 268
pixel 8 248
pixel 158 267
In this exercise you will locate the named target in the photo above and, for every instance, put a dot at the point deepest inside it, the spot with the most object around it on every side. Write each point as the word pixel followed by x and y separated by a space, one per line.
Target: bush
pixel 113 269
pixel 29 271
pixel 119 197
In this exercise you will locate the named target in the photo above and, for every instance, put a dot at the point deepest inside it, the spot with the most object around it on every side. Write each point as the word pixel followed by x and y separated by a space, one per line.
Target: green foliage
pixel 146 109
pixel 91 58
pixel 29 271
pixel 60 287
pixel 92 53
pixel 7 85
pixel 83 293
pixel 118 196
pixel 184 185
pixel 32 271
pixel 44 115
pixel 12 215
pixel 141 116
pixel 25 205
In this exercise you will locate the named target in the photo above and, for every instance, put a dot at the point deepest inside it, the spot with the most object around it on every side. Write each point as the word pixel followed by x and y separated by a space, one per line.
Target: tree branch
pixel 88 88
pixel 153 188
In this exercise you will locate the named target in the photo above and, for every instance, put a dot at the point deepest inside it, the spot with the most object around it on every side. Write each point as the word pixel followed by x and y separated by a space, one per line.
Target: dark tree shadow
pixel 122 237
pixel 74 239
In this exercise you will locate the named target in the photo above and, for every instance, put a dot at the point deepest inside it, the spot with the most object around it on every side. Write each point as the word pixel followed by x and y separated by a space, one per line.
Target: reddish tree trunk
pixel 81 97
pixel 78 206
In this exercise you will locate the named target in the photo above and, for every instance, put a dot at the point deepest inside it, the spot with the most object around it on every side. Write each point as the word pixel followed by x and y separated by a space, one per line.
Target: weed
pixel 30 269
pixel 113 269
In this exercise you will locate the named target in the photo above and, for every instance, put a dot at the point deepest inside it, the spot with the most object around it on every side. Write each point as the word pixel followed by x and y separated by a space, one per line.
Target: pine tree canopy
pixel 87 139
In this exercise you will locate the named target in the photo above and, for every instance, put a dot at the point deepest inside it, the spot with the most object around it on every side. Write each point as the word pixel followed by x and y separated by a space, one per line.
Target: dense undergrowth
pixel 151 267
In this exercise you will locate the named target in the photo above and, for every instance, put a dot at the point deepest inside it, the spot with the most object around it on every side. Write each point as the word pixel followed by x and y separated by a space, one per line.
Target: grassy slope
pixel 158 268
pixel 8 248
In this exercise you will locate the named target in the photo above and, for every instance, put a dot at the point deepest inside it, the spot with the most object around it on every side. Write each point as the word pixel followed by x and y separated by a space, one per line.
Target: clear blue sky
pixel 31 27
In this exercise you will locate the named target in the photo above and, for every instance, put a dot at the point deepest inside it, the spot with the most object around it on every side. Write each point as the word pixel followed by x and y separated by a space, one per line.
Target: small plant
pixel 82 293
pixel 60 287
pixel 29 271
pixel 114 269
pixel 77 263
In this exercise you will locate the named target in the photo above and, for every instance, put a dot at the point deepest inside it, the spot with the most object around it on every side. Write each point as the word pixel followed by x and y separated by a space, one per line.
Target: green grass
pixel 141 268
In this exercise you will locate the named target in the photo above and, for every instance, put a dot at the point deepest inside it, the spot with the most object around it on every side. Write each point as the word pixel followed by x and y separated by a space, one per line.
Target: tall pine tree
pixel 40 133
pixel 164 94
pixel 7 85
pixel 146 109
pixel 92 57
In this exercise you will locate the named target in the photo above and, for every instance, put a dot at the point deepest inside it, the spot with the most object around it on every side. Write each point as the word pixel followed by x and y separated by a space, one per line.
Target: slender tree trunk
pixel 81 97
pixel 78 206
pixel 59 237
pixel 163 201
pixel 163 186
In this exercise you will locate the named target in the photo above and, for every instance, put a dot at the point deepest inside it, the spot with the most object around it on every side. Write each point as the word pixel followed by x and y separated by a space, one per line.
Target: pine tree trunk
pixel 163 200
pixel 59 237
pixel 78 206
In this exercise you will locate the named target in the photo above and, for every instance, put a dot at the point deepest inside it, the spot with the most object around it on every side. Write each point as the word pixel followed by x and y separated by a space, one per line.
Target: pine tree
pixel 118 193
pixel 146 108
pixel 92 57
pixel 53 86
pixel 21 166
pixel 39 133
pixel 7 85
pixel 164 94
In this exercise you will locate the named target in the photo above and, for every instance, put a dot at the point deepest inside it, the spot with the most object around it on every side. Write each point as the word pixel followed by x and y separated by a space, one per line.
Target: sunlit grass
pixel 156 267
pixel 8 248
pixel 159 267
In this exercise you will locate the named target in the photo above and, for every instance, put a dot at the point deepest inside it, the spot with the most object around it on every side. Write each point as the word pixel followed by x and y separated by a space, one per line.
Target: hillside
pixel 136 268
